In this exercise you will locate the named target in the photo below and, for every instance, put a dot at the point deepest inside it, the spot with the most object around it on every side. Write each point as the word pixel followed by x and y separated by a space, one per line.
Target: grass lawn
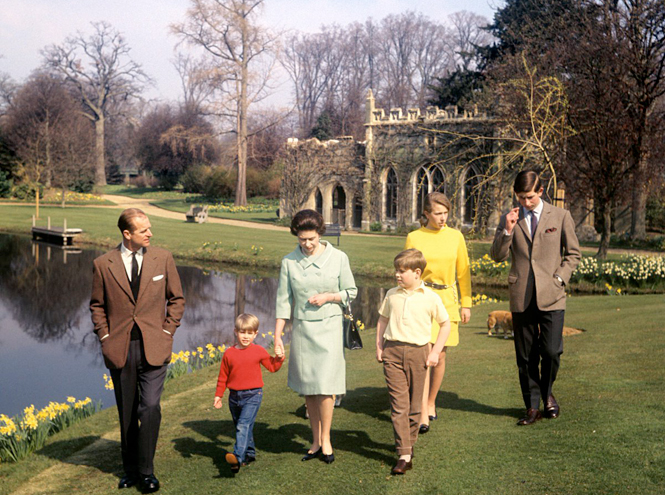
pixel 370 256
pixel 143 192
pixel 182 206
pixel 608 439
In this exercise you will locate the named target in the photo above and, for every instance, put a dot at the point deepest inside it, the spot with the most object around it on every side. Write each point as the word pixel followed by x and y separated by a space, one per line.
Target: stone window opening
pixel 339 206
pixel 428 179
pixel 470 191
pixel 390 196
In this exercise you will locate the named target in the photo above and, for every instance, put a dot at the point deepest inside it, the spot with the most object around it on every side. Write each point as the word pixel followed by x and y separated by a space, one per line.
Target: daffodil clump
pixel 632 271
pixel 483 299
pixel 27 432
pixel 487 266
pixel 184 361
pixel 231 208
pixel 72 196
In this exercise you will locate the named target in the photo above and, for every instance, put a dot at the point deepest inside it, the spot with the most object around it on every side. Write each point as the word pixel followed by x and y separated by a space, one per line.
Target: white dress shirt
pixel 126 255
pixel 536 211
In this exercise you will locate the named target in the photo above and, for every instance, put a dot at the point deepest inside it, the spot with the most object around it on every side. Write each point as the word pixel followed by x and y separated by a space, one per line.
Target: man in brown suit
pixel 136 306
pixel 544 250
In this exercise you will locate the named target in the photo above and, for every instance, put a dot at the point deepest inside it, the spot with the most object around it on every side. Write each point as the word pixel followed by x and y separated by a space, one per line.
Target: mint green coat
pixel 316 360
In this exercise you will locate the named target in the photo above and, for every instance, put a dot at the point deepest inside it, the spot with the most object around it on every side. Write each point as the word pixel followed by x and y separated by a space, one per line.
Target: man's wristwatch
pixel 559 279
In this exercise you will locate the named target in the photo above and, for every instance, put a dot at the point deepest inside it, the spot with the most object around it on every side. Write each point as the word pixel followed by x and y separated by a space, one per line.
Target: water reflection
pixel 48 350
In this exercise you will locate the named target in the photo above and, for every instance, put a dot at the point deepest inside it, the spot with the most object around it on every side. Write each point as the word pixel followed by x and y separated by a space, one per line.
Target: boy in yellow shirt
pixel 402 345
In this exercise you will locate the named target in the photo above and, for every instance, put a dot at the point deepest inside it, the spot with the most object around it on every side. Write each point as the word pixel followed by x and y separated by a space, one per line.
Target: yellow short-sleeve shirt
pixel 410 314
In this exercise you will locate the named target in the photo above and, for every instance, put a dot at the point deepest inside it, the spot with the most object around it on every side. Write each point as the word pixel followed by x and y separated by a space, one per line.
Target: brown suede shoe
pixel 402 467
pixel 551 408
pixel 532 415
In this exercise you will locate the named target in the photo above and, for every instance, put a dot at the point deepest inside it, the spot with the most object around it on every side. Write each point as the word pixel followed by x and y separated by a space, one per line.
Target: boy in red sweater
pixel 240 372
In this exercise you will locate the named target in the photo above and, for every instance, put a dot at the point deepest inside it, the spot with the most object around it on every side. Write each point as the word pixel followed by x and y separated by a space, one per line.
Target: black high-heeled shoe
pixel 328 458
pixel 311 455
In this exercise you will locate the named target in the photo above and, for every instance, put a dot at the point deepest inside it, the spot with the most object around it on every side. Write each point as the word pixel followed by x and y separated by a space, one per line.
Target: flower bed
pixel 27 432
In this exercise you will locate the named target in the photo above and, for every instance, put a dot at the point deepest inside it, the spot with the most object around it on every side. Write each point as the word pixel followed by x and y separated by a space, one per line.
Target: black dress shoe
pixel 149 483
pixel 128 480
pixel 423 429
pixel 532 415
pixel 401 467
pixel 432 418
pixel 249 459
pixel 328 458
pixel 311 455
pixel 551 408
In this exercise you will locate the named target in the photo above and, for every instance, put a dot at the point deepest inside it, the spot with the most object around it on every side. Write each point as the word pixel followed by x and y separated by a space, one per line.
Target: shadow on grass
pixel 373 402
pixel 91 451
pixel 450 400
pixel 287 439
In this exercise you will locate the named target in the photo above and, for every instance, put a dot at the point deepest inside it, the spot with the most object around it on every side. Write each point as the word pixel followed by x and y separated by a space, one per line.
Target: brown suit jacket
pixel 159 306
pixel 554 251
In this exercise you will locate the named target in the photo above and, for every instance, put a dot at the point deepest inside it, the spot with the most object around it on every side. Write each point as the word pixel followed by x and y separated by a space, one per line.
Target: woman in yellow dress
pixel 447 258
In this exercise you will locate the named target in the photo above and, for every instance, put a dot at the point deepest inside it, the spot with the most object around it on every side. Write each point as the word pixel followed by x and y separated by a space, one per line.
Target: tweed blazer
pixel 157 310
pixel 535 265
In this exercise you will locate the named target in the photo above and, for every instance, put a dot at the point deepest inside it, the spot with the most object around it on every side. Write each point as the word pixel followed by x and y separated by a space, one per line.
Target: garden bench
pixel 198 214
pixel 333 230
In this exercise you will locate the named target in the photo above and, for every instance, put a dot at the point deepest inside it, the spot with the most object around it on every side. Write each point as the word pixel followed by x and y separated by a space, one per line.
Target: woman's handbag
pixel 352 338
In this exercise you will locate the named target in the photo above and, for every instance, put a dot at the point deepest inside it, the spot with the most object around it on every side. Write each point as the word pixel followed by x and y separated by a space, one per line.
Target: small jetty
pixel 61 236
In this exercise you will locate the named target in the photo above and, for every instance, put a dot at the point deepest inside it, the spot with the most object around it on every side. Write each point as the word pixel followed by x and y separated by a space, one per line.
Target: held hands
pixel 321 299
pixel 432 359
pixel 279 347
pixel 511 219
pixel 217 403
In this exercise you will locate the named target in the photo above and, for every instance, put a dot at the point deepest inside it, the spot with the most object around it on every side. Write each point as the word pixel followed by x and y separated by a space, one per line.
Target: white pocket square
pixel 158 277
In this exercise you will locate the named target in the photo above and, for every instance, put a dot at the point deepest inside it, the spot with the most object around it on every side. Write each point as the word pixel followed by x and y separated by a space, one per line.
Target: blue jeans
pixel 244 406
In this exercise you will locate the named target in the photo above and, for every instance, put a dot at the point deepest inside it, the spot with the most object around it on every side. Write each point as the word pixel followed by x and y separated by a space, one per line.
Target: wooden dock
pixel 55 235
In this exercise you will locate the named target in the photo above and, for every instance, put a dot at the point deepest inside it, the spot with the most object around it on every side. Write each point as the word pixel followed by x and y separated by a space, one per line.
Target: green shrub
pixel 194 179
pixel 375 227
pixel 26 191
pixel 220 184
pixel 6 185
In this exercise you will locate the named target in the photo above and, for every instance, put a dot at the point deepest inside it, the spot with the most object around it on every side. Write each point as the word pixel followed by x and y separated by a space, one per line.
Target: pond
pixel 48 350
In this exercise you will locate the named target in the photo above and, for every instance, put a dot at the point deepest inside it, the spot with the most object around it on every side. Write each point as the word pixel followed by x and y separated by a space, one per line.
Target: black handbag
pixel 352 338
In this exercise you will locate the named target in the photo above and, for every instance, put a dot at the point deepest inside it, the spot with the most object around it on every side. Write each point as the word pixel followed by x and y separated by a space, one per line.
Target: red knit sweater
pixel 240 368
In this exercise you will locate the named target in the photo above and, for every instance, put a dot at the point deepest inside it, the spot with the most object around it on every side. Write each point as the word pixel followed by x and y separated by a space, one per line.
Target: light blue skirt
pixel 316 361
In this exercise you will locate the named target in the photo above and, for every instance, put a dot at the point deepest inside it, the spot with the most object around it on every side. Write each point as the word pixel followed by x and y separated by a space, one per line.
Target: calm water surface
pixel 48 350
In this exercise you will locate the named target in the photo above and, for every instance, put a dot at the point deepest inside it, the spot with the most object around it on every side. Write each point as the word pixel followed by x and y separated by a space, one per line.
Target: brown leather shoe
pixel 551 408
pixel 402 467
pixel 532 415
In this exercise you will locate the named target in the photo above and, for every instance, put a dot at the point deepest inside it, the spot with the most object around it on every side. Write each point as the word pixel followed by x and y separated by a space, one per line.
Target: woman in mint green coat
pixel 315 283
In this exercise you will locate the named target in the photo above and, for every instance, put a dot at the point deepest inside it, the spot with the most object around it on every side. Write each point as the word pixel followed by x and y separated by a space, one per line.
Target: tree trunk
pixel 606 233
pixel 241 185
pixel 49 164
pixel 100 159
pixel 638 214
pixel 638 219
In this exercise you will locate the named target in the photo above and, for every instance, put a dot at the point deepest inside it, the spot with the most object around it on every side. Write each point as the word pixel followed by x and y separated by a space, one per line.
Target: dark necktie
pixel 134 282
pixel 534 224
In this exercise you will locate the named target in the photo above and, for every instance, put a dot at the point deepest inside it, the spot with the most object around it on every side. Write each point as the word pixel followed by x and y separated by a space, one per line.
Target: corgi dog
pixel 497 320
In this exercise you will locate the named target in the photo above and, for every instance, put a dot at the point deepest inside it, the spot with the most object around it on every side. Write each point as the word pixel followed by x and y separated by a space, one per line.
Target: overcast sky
pixel 27 26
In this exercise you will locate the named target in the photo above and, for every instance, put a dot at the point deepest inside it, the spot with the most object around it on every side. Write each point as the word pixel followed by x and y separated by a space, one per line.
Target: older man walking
pixel 136 307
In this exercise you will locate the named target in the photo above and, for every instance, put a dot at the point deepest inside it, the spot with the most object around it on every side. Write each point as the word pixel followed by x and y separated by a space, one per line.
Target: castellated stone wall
pixel 379 184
